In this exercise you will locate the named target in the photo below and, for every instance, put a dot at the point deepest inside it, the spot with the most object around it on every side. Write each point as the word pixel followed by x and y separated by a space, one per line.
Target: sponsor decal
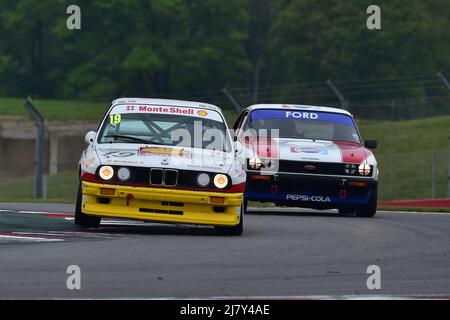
pixel 88 162
pixel 119 154
pixel 307 198
pixel 202 113
pixel 125 162
pixel 155 151
pixel 309 150
pixel 302 115
pixel 206 167
pixel 304 197
pixel 175 110
pixel 240 173
pixel 152 109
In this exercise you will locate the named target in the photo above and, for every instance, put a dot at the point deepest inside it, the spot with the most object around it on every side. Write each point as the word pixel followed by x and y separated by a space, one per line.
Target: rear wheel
pixel 238 229
pixel 83 220
pixel 370 209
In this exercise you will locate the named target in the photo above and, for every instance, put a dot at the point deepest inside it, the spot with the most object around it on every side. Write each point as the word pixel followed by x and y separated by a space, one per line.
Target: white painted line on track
pixel 32 212
pixel 50 233
pixel 29 239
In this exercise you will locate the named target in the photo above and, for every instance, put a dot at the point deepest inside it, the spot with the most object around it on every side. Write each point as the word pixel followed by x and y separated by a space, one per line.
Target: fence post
pixel 236 105
pixel 433 174
pixel 45 186
pixel 444 79
pixel 39 156
pixel 344 102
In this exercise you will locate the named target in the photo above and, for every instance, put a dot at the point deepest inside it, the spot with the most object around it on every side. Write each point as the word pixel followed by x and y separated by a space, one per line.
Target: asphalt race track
pixel 283 253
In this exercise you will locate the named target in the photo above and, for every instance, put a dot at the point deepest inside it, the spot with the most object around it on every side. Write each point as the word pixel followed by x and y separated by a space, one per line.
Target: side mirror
pixel 90 137
pixel 372 144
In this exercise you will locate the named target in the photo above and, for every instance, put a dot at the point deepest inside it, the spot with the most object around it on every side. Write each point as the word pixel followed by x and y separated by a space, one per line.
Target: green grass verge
pixel 405 153
pixel 408 136
pixel 54 110
pixel 62 187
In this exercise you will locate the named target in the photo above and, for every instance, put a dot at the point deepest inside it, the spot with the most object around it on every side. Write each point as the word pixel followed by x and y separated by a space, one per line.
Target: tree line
pixel 160 47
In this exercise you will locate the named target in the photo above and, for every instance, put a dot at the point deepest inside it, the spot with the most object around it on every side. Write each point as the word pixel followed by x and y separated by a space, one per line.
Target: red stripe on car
pixel 352 152
pixel 264 147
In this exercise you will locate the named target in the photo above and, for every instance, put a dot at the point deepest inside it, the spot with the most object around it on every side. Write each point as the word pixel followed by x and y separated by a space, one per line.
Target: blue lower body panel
pixel 310 192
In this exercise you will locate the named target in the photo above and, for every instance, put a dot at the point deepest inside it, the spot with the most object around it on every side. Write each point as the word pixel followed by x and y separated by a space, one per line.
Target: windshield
pixel 166 129
pixel 297 124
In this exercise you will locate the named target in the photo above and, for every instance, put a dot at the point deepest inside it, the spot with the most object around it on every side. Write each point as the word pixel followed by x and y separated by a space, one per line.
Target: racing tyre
pixel 370 209
pixel 83 220
pixel 235 230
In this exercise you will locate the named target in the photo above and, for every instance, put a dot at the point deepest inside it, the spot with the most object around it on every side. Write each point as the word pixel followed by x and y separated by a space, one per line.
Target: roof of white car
pixel 166 102
pixel 298 107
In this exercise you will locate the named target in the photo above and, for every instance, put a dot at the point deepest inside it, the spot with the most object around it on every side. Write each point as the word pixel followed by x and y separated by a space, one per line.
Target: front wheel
pixel 238 229
pixel 83 220
pixel 370 209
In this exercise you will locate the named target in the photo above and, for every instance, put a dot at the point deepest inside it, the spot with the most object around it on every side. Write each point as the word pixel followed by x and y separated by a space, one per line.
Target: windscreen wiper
pixel 120 136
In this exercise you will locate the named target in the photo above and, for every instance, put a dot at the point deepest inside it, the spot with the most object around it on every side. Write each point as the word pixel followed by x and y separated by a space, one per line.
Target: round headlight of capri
pixel 203 179
pixel 255 163
pixel 106 172
pixel 364 169
pixel 220 181
pixel 124 174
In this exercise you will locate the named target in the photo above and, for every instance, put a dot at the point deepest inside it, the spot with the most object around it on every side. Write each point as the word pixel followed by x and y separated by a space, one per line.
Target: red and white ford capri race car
pixel 307 156
pixel 164 161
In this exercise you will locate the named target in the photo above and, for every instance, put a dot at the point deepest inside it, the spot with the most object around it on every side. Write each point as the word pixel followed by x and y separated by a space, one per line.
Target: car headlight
pixel 106 172
pixel 364 169
pixel 123 174
pixel 220 181
pixel 350 168
pixel 255 163
pixel 203 179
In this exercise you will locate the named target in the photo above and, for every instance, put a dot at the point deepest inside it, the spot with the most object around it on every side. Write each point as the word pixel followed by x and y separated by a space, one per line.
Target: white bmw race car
pixel 307 156
pixel 164 161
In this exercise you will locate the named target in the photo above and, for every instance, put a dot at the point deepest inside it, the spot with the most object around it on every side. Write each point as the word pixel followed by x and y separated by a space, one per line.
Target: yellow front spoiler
pixel 161 204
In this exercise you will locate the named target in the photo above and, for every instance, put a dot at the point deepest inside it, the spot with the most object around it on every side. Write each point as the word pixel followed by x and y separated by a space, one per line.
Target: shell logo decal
pixel 202 113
